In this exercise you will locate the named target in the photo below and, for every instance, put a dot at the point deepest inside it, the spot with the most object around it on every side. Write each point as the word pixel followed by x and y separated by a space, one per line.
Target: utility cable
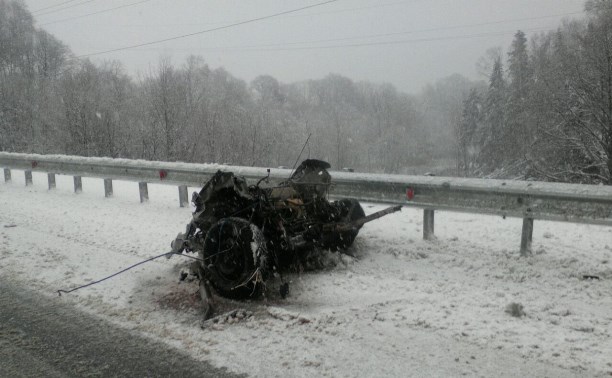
pixel 300 15
pixel 405 41
pixel 209 30
pixel 281 47
pixel 431 29
pixel 422 30
pixel 62 9
pixel 53 6
pixel 369 36
pixel 94 13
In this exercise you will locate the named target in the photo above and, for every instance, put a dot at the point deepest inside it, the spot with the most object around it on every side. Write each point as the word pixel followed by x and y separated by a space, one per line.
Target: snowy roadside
pixel 402 307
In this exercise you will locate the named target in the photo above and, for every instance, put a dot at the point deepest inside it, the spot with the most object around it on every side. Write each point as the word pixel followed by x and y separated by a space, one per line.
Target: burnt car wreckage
pixel 244 235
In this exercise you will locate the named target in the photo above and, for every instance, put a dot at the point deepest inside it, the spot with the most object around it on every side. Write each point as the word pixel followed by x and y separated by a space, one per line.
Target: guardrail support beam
pixel 51 180
pixel 28 178
pixel 7 175
pixel 144 191
pixel 78 184
pixel 108 188
pixel 526 236
pixel 183 201
pixel 428 224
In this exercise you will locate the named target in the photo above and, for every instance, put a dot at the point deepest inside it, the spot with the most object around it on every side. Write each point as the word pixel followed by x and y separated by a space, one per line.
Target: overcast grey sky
pixel 406 43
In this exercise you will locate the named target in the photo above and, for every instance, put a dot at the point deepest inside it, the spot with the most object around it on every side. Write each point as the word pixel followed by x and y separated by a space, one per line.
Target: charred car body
pixel 244 234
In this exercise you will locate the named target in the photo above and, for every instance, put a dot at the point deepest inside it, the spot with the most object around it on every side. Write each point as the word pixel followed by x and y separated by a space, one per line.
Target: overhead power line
pixel 209 30
pixel 94 13
pixel 416 31
pixel 217 23
pixel 257 48
pixel 64 8
pixel 53 6
pixel 382 5
pixel 406 41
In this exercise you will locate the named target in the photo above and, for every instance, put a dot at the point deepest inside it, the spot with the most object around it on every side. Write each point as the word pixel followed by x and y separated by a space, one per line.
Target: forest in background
pixel 545 112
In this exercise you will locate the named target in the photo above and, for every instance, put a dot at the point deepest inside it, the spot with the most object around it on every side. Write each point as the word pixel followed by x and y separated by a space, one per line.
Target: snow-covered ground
pixel 402 307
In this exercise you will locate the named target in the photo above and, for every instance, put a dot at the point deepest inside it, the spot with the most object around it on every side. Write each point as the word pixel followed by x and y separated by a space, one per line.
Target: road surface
pixel 43 337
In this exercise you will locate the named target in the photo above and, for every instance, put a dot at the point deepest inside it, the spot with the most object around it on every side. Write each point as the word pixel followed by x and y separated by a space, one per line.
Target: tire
pixel 349 210
pixel 235 258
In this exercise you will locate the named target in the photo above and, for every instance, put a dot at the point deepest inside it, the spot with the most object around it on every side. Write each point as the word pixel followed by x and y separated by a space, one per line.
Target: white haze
pixel 438 37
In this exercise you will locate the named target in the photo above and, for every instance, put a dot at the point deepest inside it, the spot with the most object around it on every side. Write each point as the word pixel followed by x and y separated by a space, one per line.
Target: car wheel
pixel 235 258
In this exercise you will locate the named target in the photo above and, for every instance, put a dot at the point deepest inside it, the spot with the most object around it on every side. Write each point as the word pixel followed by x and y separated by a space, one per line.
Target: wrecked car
pixel 244 234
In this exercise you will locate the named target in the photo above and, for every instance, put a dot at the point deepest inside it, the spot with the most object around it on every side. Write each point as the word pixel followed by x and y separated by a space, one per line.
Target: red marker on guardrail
pixel 410 193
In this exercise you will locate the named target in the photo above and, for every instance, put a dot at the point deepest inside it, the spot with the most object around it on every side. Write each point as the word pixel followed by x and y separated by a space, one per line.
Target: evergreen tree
pixel 519 132
pixel 471 120
pixel 494 129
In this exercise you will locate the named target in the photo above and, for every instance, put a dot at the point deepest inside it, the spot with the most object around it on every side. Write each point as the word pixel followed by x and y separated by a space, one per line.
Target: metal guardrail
pixel 524 199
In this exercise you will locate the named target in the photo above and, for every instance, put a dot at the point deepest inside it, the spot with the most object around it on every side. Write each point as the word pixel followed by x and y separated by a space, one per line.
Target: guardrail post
pixel 428 224
pixel 526 236
pixel 28 178
pixel 51 180
pixel 183 201
pixel 7 175
pixel 108 188
pixel 144 192
pixel 78 184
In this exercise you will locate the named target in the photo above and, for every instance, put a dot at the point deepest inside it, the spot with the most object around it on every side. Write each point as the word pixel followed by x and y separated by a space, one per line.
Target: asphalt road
pixel 43 337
